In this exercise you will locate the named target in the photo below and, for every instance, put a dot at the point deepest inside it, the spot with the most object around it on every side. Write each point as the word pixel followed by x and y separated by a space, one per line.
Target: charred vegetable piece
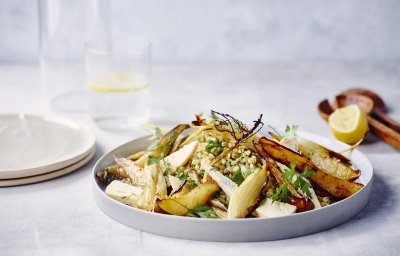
pixel 163 146
pixel 335 186
pixel 181 205
pixel 328 160
pixel 300 202
pixel 247 194
pixel 135 175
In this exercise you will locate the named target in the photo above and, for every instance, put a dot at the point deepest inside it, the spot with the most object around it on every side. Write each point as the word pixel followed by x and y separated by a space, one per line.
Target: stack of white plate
pixel 37 148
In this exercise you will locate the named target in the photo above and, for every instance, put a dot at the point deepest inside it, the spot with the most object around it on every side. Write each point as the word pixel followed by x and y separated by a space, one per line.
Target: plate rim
pixel 54 165
pixel 49 175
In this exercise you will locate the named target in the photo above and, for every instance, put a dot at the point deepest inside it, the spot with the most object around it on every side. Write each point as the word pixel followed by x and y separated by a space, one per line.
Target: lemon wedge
pixel 348 124
pixel 118 83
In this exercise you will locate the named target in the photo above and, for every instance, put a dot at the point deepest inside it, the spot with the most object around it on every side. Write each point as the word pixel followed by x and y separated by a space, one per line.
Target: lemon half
pixel 348 124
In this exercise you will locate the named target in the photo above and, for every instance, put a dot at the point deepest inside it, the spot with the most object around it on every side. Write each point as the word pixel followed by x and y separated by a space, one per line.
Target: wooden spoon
pixel 378 101
pixel 373 104
pixel 386 133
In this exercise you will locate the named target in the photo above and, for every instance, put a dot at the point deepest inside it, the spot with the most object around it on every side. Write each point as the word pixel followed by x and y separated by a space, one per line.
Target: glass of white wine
pixel 117 78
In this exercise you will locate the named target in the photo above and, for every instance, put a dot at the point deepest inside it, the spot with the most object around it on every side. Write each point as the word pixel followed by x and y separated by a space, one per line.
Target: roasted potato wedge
pixel 198 196
pixel 335 186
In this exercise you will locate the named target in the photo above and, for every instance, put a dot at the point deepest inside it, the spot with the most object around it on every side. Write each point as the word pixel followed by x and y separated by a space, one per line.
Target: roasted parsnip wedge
pixel 327 160
pixel 247 194
pixel 198 196
pixel 335 186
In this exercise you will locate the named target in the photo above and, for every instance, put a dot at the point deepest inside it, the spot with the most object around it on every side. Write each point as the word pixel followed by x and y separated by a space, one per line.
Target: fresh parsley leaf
pixel 214 144
pixel 238 177
pixel 201 172
pixel 191 182
pixel 307 173
pixel 288 175
pixel 158 133
pixel 282 193
pixel 291 130
pixel 183 176
pixel 202 211
pixel 153 160
pixel 303 185
pixel 299 180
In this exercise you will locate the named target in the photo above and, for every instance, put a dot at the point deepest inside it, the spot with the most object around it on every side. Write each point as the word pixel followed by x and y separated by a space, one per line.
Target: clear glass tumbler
pixel 118 82
pixel 65 27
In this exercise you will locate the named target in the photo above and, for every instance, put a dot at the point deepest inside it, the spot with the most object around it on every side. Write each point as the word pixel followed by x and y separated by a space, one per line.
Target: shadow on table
pixel 380 207
pixel 373 144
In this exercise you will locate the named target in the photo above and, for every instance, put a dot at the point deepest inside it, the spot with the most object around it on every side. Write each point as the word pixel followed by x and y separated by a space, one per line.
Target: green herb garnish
pixel 183 176
pixel 214 144
pixel 282 193
pixel 191 182
pixel 291 130
pixel 238 177
pixel 153 160
pixel 299 182
pixel 202 211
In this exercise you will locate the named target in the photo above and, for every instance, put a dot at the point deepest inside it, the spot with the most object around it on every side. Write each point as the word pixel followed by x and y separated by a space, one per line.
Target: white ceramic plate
pixel 33 145
pixel 240 230
pixel 49 175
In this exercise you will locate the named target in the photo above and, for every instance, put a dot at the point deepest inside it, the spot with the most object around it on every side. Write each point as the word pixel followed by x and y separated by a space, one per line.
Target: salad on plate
pixel 221 168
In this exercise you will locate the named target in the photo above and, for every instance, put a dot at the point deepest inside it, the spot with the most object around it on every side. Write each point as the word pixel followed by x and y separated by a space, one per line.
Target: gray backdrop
pixel 231 30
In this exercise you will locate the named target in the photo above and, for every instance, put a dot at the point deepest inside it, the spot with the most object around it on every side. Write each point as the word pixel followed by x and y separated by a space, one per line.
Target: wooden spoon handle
pixel 385 133
pixel 325 109
pixel 387 120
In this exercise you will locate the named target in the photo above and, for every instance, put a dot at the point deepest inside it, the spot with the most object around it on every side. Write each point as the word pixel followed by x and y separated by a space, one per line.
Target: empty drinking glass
pixel 117 79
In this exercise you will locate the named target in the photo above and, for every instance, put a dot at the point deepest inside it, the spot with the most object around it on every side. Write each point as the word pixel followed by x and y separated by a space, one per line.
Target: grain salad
pixel 221 168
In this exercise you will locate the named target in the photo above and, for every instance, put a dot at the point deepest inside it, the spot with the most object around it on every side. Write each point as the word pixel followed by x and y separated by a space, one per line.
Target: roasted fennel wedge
pixel 247 194
pixel 327 160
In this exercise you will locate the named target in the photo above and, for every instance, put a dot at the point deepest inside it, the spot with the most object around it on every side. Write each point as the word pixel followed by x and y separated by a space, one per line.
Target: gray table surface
pixel 59 217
